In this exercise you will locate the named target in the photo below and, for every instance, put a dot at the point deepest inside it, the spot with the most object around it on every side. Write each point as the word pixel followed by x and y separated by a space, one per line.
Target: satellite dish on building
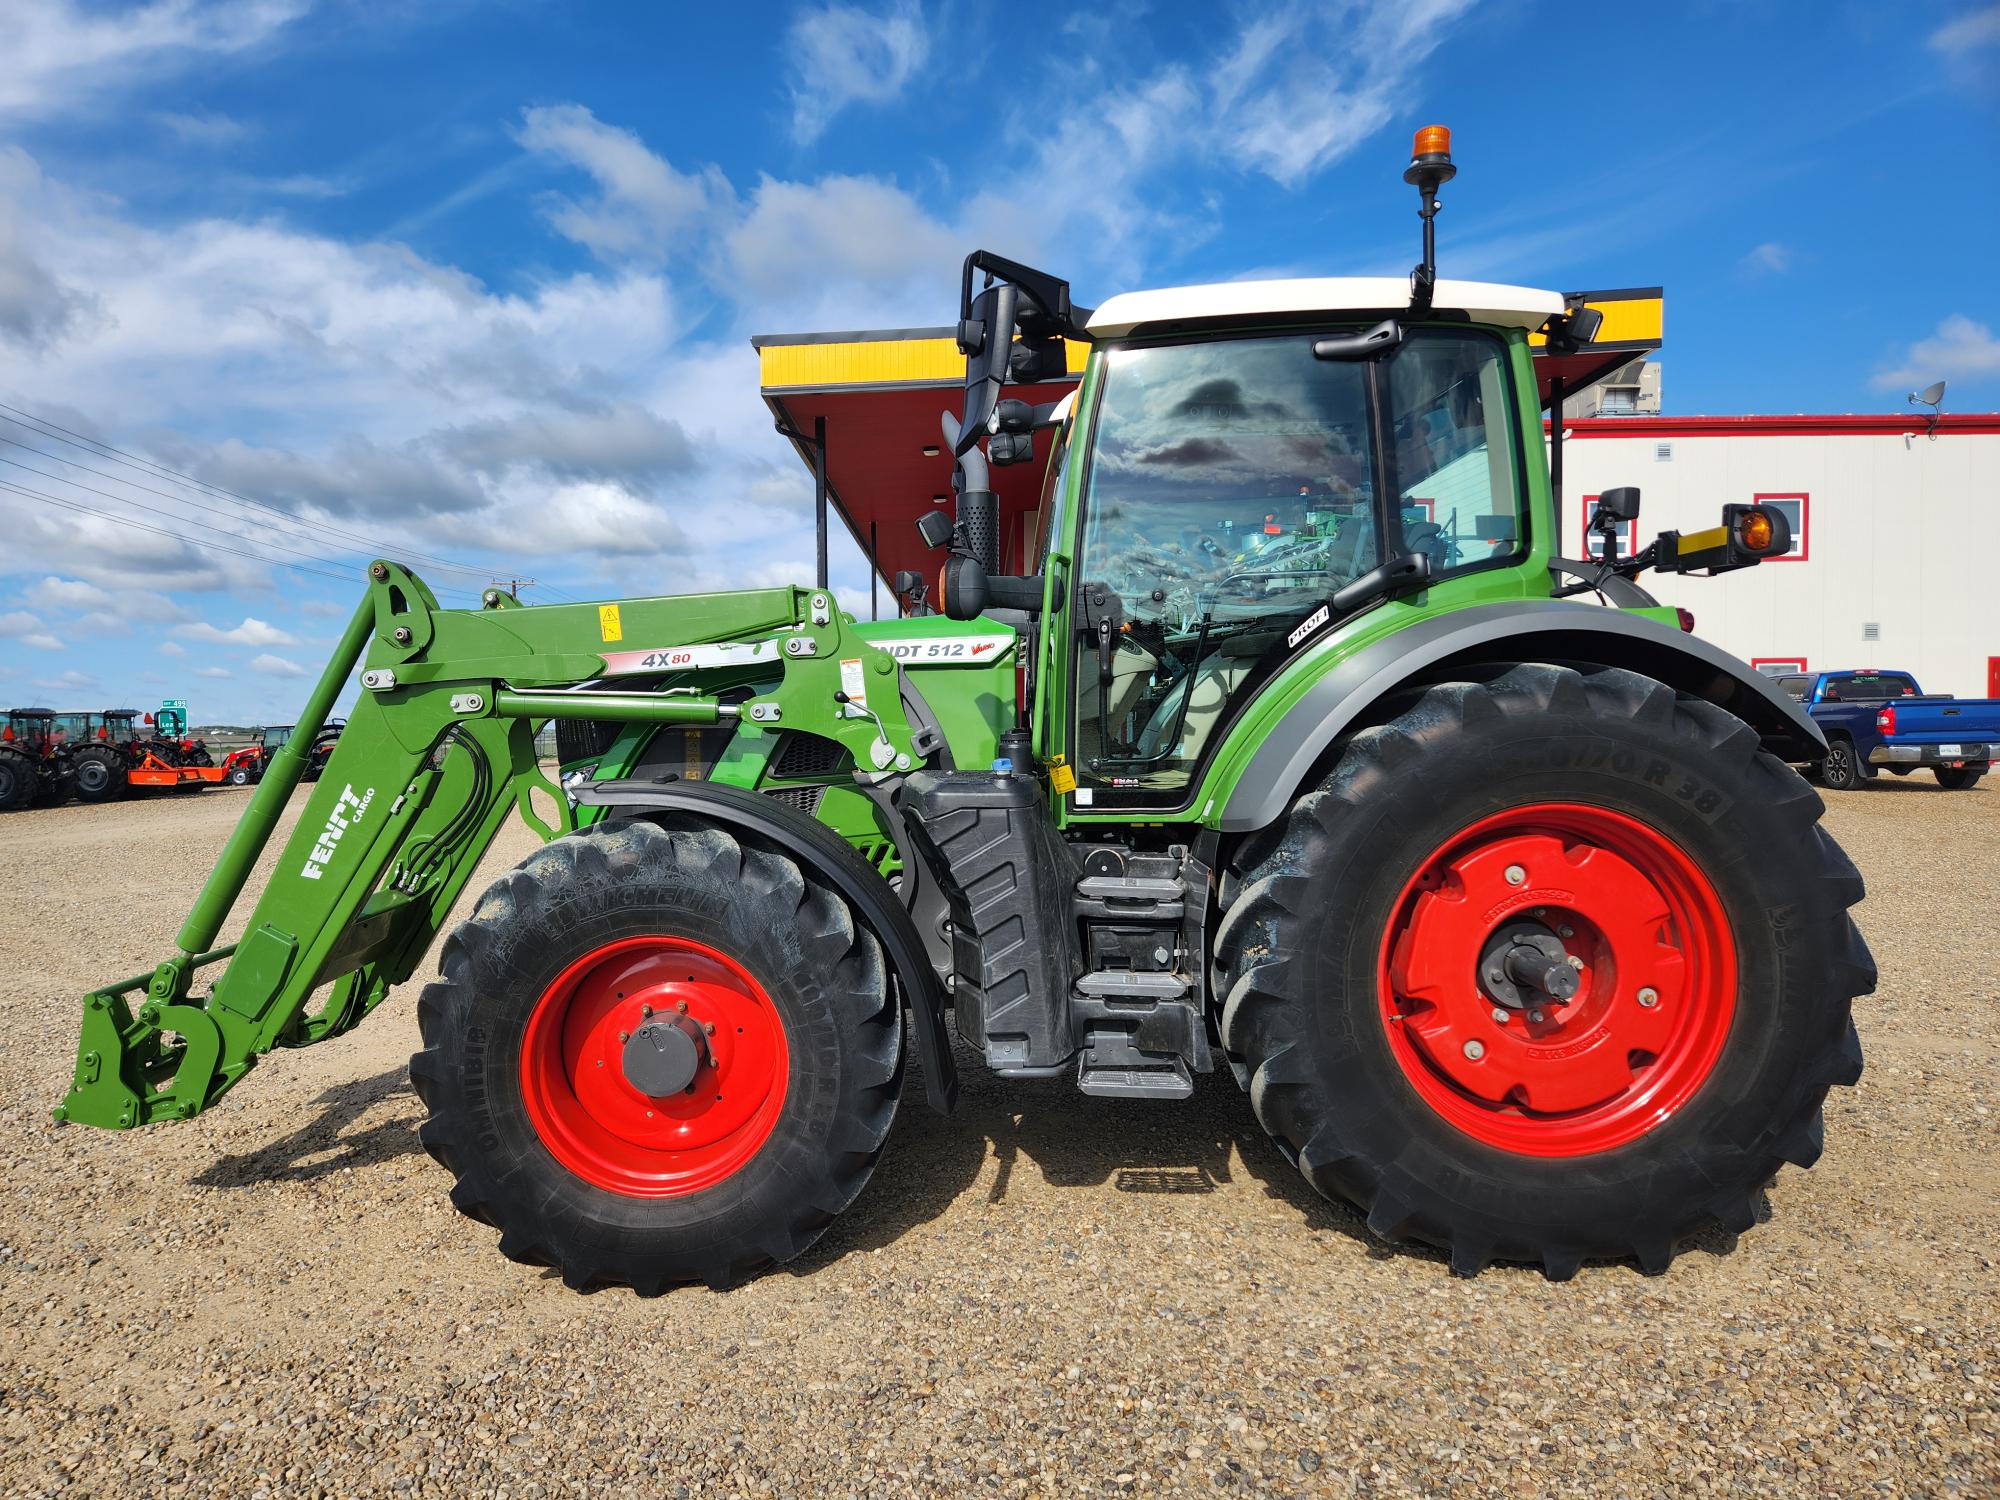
pixel 1932 396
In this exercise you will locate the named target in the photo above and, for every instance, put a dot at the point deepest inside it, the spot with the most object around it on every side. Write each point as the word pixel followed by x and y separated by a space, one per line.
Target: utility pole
pixel 513 586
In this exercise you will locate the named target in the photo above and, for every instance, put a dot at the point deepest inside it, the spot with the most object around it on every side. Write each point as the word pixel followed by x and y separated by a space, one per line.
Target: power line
pixel 70 463
pixel 106 450
pixel 192 541
pixel 333 562
pixel 177 536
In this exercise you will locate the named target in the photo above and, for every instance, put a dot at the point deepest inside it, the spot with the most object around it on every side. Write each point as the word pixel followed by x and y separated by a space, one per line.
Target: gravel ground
pixel 1046 1294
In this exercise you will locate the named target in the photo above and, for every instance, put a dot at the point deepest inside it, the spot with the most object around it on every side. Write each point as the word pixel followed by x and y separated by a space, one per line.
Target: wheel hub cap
pixel 663 1056
pixel 1558 979
pixel 654 1067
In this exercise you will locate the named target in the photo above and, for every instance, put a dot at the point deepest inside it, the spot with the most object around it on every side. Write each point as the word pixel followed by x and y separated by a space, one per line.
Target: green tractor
pixel 1288 755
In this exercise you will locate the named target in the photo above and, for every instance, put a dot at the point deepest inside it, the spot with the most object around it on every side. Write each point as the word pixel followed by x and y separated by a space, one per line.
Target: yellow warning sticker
pixel 607 623
pixel 1061 778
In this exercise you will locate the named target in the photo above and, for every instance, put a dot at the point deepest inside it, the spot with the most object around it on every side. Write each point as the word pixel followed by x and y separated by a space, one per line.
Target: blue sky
pixel 475 281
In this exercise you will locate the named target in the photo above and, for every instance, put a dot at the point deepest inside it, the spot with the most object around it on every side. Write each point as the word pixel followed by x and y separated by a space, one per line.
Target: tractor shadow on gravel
pixel 1197 1146
pixel 320 1147
pixel 1200 1145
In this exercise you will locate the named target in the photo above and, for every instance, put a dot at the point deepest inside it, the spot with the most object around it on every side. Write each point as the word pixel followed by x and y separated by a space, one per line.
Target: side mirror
pixel 987 340
pixel 1621 504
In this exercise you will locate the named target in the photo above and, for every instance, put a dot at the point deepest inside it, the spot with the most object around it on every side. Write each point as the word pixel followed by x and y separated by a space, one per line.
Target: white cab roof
pixel 1482 301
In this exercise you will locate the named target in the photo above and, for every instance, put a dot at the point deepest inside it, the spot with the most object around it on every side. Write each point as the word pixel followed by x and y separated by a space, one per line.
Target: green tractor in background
pixel 1505 909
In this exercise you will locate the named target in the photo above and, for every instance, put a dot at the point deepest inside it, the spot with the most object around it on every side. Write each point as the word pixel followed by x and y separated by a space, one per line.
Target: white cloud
pixel 29 630
pixel 252 632
pixel 172 648
pixel 1770 257
pixel 202 129
pixel 66 593
pixel 276 666
pixel 61 54
pixel 220 673
pixel 1973 30
pixel 839 232
pixel 1960 350
pixel 837 55
pixel 37 307
pixel 71 681
pixel 644 206
pixel 1308 84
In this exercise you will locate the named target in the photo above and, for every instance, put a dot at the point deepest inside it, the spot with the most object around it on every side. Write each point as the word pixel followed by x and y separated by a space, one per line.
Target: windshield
pixel 1228 478
pixel 1234 486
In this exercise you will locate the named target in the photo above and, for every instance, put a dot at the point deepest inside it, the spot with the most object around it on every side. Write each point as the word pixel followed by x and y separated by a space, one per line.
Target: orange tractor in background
pixel 105 755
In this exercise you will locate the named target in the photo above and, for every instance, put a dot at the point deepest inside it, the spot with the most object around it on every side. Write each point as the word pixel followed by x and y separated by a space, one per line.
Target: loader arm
pixel 436 754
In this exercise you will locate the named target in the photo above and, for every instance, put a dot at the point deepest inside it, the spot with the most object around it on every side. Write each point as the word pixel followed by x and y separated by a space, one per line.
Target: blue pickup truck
pixel 1882 721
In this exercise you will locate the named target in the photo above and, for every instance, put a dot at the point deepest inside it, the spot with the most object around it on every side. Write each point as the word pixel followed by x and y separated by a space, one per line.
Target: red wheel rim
pixel 602 1127
pixel 1655 962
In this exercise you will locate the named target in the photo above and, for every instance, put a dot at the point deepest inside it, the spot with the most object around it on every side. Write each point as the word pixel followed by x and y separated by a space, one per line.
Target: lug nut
pixel 1566 932
pixel 1515 874
pixel 1535 1016
pixel 1649 997
pixel 681 1007
pixel 645 1010
pixel 708 1027
pixel 624 1036
pixel 1475 1050
pixel 1500 1015
pixel 1575 962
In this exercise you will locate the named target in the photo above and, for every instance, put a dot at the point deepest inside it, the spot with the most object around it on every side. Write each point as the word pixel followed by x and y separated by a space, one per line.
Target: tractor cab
pixel 32 730
pixel 118 726
pixel 274 737
pixel 78 728
pixel 1242 487
pixel 30 764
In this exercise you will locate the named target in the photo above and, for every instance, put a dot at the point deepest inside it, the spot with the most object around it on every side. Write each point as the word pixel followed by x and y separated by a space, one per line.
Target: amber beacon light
pixel 1430 168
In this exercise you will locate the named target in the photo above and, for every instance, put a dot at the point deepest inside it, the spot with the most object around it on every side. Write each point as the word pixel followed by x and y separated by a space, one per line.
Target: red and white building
pixel 1896 533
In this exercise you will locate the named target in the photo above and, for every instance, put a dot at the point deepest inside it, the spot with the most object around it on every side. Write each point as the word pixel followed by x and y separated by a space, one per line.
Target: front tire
pixel 238 776
pixel 582 1157
pixel 1682 872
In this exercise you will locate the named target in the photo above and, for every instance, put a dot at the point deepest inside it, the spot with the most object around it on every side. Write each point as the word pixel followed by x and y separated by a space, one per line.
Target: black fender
pixel 830 858
pixel 1516 630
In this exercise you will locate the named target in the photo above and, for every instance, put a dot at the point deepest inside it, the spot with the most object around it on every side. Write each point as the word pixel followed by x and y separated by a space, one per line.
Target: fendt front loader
pixel 1504 907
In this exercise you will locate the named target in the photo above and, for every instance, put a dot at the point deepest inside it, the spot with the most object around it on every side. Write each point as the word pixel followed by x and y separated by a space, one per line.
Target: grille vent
pixel 801 754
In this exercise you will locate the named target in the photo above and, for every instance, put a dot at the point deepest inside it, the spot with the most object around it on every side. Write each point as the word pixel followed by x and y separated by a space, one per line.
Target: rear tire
pixel 1842 770
pixel 555 1145
pixel 1747 1028
pixel 1958 779
pixel 238 776
pixel 98 775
